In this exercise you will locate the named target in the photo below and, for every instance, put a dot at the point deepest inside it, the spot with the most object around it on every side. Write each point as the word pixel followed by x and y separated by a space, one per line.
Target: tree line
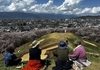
pixel 17 39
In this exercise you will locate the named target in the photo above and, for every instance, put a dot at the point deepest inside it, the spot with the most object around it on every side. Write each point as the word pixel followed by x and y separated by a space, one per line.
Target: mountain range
pixel 23 15
pixel 33 15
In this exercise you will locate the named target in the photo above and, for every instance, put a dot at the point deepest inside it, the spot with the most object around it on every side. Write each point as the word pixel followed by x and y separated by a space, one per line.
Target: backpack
pixel 67 65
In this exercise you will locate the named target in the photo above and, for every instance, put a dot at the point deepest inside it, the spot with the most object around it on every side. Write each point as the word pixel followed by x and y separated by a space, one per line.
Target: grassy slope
pixel 54 38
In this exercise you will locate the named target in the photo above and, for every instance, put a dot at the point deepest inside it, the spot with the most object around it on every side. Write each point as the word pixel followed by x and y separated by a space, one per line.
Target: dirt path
pixel 43 56
pixel 90 43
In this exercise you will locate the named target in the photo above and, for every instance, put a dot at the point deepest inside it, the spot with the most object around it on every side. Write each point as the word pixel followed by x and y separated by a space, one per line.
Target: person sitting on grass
pixel 10 59
pixel 35 62
pixel 61 57
pixel 79 55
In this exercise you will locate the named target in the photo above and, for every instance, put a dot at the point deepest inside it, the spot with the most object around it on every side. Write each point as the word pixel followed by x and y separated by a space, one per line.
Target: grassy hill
pixel 52 39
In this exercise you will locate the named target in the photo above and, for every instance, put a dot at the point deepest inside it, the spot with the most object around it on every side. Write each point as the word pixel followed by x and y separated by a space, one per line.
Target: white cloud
pixel 19 5
pixel 48 7
pixel 86 10
pixel 67 7
pixel 12 7
pixel 95 9
pixel 69 4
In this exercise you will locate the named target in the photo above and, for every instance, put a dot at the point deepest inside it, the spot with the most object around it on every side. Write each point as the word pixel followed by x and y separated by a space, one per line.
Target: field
pixel 50 41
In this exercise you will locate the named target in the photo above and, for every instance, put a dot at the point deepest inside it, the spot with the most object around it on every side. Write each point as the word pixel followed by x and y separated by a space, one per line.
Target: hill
pixel 51 40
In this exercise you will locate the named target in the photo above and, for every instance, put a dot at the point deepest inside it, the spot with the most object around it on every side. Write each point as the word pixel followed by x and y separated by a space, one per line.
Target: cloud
pixel 31 6
pixel 48 7
pixel 3 2
pixel 69 4
pixel 87 11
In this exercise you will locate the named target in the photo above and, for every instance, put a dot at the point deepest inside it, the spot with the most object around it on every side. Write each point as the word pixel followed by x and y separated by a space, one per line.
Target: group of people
pixel 64 60
pixel 61 56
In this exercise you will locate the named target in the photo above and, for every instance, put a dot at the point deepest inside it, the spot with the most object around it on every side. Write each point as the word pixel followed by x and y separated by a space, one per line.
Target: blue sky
pixel 56 2
pixel 77 7
pixel 84 3
pixel 90 3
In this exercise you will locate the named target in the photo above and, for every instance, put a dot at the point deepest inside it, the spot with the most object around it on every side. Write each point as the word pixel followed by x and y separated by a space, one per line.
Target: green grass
pixel 53 39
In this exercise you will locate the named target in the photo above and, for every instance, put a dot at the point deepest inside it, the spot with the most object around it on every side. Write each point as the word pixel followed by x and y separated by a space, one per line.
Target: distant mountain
pixel 90 17
pixel 17 15
pixel 31 15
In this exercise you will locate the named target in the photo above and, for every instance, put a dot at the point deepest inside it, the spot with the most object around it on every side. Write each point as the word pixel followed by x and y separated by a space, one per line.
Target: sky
pixel 70 7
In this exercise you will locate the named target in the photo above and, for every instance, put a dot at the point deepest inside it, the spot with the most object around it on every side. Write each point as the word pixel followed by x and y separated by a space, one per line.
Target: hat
pixel 35 43
pixel 62 45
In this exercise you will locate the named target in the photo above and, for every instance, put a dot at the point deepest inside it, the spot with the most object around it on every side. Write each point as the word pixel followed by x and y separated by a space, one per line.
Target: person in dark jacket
pixel 61 57
pixel 35 52
pixel 35 62
pixel 10 59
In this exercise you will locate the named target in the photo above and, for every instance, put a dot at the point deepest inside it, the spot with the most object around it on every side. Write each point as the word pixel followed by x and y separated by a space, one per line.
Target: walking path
pixel 90 43
pixel 43 56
